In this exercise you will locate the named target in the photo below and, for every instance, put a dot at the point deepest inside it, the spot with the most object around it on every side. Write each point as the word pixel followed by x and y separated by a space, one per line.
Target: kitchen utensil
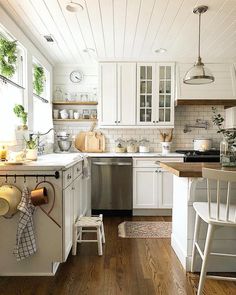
pixel 64 145
pixel 91 142
pixel 80 138
pixel 71 114
pixel 48 213
pixel 39 196
pixel 76 115
pixel 64 114
pixel 10 197
pixel 55 114
pixel 202 144
pixel 165 147
pixel 144 146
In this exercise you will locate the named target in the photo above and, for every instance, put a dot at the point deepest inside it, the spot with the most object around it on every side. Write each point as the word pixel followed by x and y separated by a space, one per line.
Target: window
pixel 42 111
pixel 11 90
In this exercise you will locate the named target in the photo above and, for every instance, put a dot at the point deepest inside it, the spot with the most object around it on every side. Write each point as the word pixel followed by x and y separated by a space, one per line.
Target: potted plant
pixel 39 79
pixel 19 111
pixel 228 144
pixel 31 148
pixel 8 57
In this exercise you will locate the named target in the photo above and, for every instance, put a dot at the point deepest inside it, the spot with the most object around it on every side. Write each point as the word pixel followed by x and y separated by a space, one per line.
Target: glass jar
pixel 227 153
pixel 58 96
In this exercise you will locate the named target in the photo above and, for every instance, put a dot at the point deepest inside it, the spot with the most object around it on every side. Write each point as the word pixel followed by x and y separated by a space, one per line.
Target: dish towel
pixel 86 169
pixel 25 238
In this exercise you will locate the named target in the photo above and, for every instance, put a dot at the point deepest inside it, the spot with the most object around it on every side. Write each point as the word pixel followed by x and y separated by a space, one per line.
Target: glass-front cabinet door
pixel 165 81
pixel 145 92
pixel 155 94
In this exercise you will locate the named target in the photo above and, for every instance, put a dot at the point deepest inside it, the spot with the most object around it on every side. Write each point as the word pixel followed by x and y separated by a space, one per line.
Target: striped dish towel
pixel 25 239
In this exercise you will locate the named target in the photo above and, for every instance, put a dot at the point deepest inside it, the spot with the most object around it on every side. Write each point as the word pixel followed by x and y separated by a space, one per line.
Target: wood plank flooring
pixel 128 267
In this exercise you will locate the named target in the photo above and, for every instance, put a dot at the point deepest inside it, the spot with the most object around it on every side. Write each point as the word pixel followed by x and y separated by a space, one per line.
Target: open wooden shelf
pixel 75 103
pixel 75 120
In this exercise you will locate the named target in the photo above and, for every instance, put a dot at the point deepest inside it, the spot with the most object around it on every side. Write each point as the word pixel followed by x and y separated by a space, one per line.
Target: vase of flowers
pixel 228 142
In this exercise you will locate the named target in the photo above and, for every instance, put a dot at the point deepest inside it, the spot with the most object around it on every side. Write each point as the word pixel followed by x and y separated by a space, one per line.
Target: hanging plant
pixel 39 79
pixel 8 57
pixel 20 112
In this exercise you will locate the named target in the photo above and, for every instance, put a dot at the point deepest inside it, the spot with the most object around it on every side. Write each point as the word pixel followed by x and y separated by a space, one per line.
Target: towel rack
pixel 55 175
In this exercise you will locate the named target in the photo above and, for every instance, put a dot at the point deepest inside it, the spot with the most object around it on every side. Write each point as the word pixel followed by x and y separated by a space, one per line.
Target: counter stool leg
pixel 74 246
pixel 80 234
pixel 206 254
pixel 99 240
pixel 195 240
pixel 103 234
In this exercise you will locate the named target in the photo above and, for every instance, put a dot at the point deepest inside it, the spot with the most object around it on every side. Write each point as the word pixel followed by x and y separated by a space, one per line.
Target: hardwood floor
pixel 128 267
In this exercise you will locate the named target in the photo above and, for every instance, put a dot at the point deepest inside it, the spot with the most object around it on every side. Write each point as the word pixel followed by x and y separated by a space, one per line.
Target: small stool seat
pixel 88 224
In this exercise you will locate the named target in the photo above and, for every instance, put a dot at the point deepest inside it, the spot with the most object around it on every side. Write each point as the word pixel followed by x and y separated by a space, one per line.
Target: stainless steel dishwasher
pixel 112 182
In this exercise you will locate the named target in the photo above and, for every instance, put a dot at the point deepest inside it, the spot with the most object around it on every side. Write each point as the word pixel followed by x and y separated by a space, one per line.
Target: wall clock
pixel 76 76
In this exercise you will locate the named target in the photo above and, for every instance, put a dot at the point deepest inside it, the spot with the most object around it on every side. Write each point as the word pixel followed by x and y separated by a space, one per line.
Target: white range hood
pixel 230 118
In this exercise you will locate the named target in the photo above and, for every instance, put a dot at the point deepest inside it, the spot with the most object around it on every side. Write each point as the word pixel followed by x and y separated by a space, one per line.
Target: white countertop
pixel 46 162
pixel 134 155
pixel 62 161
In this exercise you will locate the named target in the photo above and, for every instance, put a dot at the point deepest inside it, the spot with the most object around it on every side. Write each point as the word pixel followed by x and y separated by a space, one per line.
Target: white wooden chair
pixel 216 214
pixel 95 224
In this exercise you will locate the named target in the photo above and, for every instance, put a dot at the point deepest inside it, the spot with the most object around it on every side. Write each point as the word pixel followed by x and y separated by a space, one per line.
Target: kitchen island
pixel 53 233
pixel 188 187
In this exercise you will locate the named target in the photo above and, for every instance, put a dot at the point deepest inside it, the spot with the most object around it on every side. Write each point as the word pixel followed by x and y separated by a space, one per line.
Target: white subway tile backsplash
pixel 183 115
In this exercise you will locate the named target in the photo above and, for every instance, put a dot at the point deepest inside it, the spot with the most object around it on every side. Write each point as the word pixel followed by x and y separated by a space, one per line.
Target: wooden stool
pixel 88 222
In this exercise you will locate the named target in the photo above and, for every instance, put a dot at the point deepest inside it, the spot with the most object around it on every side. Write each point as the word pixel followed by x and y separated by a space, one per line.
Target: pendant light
pixel 199 74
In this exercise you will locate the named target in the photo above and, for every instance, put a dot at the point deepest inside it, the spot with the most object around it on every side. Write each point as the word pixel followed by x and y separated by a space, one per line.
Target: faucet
pixel 41 146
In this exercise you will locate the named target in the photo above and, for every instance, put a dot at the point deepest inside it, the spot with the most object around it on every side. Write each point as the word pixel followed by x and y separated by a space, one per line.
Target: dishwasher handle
pixel 112 164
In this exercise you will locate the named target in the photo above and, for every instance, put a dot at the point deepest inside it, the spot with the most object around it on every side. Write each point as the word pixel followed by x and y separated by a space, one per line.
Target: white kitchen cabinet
pixel 126 100
pixel 165 199
pixel 152 185
pixel 155 94
pixel 145 188
pixel 108 94
pixel 117 94
pixel 68 213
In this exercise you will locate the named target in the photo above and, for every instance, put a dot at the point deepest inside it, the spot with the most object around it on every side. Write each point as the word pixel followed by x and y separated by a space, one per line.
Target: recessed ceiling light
pixel 74 7
pixel 88 50
pixel 160 50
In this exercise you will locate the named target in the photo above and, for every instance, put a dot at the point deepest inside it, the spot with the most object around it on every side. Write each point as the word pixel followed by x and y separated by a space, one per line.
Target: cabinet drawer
pixel 153 162
pixel 77 169
pixel 145 162
pixel 67 177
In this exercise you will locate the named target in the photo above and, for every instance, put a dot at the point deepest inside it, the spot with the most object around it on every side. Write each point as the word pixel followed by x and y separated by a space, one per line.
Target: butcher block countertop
pixel 191 169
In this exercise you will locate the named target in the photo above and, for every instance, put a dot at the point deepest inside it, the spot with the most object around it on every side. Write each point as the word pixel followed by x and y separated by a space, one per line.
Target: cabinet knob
pixel 115 121
pixel 153 121
pixel 118 121
pixel 157 121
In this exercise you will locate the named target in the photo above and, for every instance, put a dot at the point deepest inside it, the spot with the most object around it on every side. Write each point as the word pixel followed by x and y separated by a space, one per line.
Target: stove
pixel 197 156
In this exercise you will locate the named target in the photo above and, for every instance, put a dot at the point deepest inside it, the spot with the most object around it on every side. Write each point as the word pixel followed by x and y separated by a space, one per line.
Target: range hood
pixel 221 92
pixel 230 118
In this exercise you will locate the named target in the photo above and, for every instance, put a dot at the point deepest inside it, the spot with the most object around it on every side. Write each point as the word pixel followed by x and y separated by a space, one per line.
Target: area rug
pixel 144 229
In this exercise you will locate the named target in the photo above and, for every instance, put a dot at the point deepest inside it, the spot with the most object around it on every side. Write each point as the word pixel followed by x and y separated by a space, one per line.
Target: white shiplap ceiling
pixel 127 29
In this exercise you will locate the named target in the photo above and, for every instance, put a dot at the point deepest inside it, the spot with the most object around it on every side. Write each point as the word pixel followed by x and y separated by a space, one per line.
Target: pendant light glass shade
pixel 199 74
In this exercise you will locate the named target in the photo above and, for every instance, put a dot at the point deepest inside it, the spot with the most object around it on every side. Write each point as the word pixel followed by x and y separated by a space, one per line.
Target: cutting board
pixel 80 138
pixel 94 142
